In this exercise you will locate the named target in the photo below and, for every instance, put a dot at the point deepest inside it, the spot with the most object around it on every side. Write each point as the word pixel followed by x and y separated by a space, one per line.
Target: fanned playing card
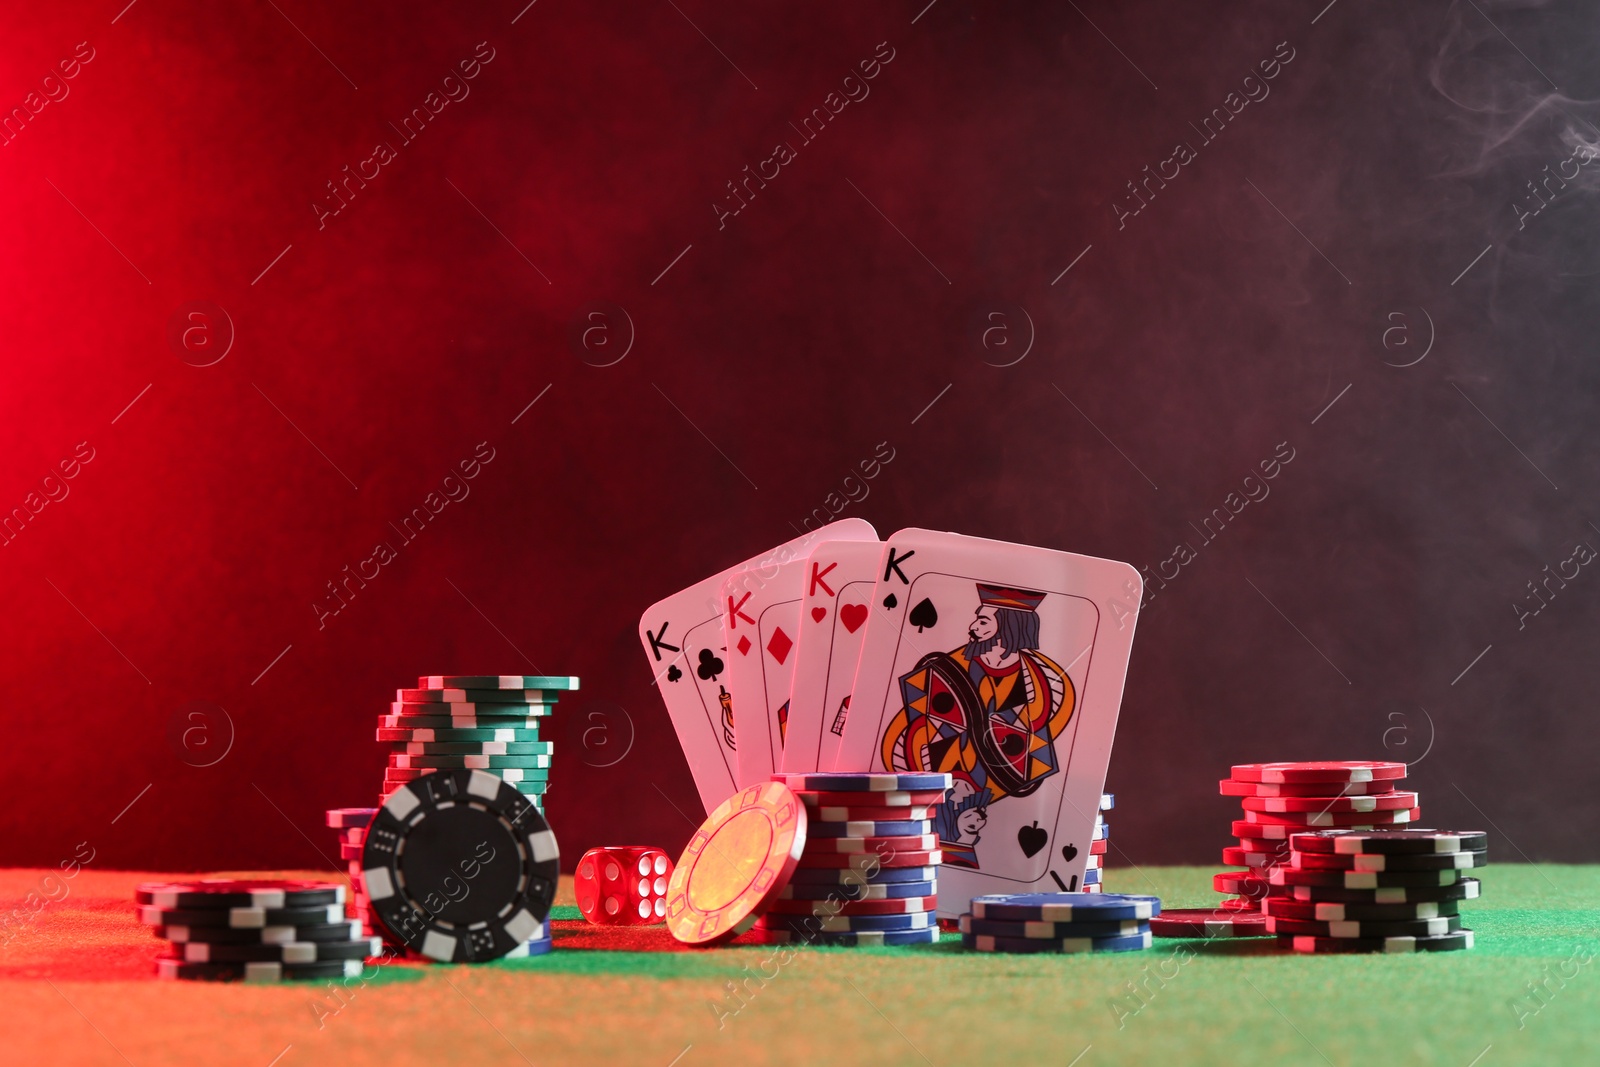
pixel 839 577
pixel 683 641
pixel 1002 665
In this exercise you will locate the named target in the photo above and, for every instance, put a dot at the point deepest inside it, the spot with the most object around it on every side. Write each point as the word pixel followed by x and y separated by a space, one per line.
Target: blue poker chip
pixel 856 828
pixel 1126 943
pixel 850 876
pixel 1064 907
pixel 857 938
pixel 1053 931
pixel 842 924
pixel 864 783
pixel 857 891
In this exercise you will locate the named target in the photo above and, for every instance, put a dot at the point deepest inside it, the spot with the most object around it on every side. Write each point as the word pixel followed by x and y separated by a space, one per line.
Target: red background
pixel 381 349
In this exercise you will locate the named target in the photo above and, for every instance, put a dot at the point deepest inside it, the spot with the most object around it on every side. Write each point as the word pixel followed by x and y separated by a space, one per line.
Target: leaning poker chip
pixel 1392 842
pixel 893 799
pixel 1208 922
pixel 350 817
pixel 1228 787
pixel 241 918
pixel 283 952
pixel 261 971
pixel 237 893
pixel 865 860
pixel 1324 911
pixel 1124 943
pixel 887 906
pixel 1327 771
pixel 1064 907
pixel 1051 931
pixel 454 827
pixel 1453 942
pixel 867 873
pixel 736 863
pixel 855 938
pixel 1321 805
pixel 497 681
pixel 348 930
pixel 475 735
pixel 1418 861
pixel 823 815
pixel 1466 889
pixel 839 924
pixel 1313 819
pixel 857 891
pixel 881 845
pixel 867 828
pixel 1362 879
pixel 1446 924
pixel 865 783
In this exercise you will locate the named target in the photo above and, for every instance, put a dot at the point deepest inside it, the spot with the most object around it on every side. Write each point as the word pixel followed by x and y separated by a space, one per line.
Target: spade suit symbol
pixel 1069 852
pixel 924 615
pixel 1032 839
pixel 891 601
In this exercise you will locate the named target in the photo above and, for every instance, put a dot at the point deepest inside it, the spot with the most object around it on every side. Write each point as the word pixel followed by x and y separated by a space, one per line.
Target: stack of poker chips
pixel 1377 890
pixel 351 823
pixel 1282 799
pixel 1059 922
pixel 868 872
pixel 482 722
pixel 1097 846
pixel 224 930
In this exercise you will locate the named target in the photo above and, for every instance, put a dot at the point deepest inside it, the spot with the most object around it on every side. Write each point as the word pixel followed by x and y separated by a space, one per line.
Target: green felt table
pixel 76 981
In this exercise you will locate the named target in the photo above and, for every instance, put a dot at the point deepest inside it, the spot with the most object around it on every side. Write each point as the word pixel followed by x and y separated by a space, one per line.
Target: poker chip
pixel 1328 911
pixel 348 930
pixel 1091 877
pixel 523 720
pixel 236 893
pixel 481 748
pixel 1238 904
pixel 1279 847
pixel 1318 819
pixel 505 708
pixel 857 938
pixel 1064 907
pixel 1416 861
pixel 241 918
pixel 1240 857
pixel 867 874
pixel 1251 883
pixel 1453 942
pixel 1050 930
pixel 1362 879
pixel 497 681
pixel 1392 842
pixel 461 695
pixel 283 952
pixel 840 924
pixel 510 774
pixel 881 845
pixel 1465 889
pixel 869 828
pixel 472 735
pixel 449 826
pixel 261 971
pixel 924 798
pixel 1126 943
pixel 866 783
pixel 828 814
pixel 838 906
pixel 1228 787
pixel 350 817
pixel 349 851
pixel 865 860
pixel 1208 922
pixel 1445 924
pixel 736 863
pixel 857 891
pixel 479 762
pixel 1325 771
pixel 1391 801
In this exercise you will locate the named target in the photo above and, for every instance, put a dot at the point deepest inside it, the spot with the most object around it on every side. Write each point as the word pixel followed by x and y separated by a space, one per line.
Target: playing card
pixel 1003 665
pixel 760 625
pixel 838 583
pixel 683 640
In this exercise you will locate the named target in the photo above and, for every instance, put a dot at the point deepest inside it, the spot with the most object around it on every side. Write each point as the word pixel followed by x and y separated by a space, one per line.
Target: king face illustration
pixel 987 713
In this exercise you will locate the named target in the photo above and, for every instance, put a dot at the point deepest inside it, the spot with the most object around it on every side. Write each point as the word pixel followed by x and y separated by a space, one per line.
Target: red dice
pixel 623 885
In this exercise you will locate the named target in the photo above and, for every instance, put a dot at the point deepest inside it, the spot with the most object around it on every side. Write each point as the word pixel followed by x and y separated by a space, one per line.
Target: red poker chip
pixel 1341 819
pixel 1279 847
pixel 1240 904
pixel 1230 787
pixel 883 845
pixel 1392 801
pixel 1322 771
pixel 1274 832
pixel 1238 857
pixel 1208 922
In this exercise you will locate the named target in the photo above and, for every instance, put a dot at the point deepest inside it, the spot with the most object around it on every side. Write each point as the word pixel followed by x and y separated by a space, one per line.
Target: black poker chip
pixel 291 952
pixel 260 971
pixel 460 867
pixel 240 918
pixel 1391 842
pixel 349 930
pixel 239 893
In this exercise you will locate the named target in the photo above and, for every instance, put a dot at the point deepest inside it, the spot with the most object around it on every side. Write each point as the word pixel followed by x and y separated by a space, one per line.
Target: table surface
pixel 77 976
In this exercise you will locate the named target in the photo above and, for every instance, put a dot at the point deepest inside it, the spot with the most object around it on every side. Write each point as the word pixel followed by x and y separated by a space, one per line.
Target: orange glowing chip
pixel 737 862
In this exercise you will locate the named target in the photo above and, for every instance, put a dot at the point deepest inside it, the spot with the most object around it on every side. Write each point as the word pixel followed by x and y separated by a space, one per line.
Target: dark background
pixel 1364 609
